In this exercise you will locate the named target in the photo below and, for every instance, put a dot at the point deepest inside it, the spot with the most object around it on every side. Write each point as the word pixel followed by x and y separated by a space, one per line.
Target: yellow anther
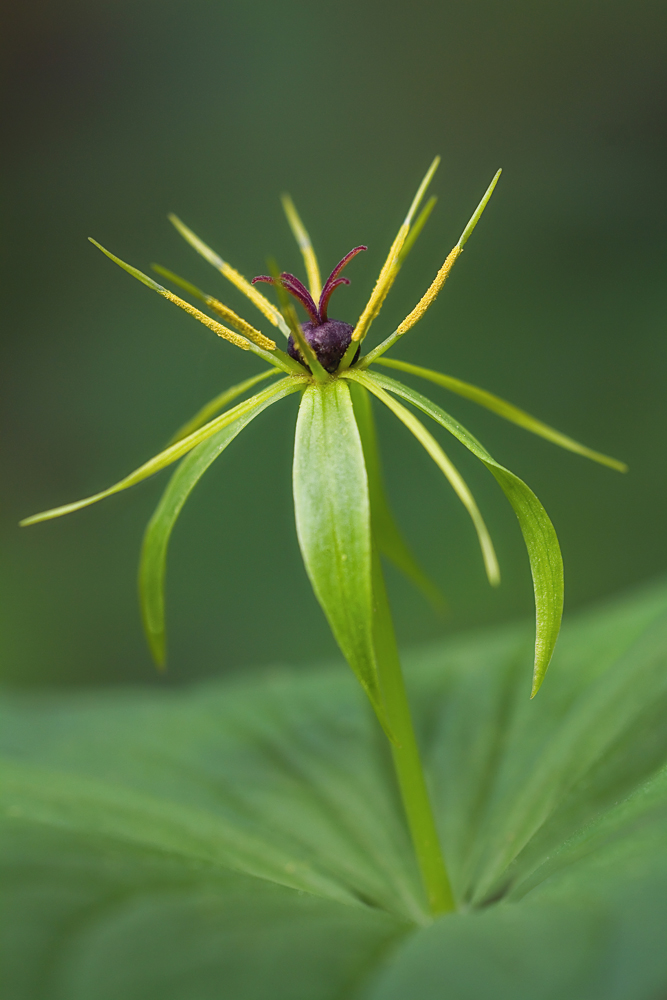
pixel 429 297
pixel 382 285
pixel 391 266
pixel 218 328
pixel 240 324
pixel 229 272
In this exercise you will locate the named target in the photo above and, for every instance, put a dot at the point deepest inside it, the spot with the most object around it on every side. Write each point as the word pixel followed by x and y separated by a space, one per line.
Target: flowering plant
pixel 343 520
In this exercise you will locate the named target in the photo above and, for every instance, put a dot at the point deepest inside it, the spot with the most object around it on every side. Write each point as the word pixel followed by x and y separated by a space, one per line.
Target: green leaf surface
pixel 503 409
pixel 152 565
pixel 333 524
pixel 244 840
pixel 386 532
pixel 541 541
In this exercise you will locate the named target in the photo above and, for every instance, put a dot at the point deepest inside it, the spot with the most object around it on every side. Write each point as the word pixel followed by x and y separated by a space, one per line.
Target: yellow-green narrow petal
pixel 160 461
pixel 503 409
pixel 152 565
pixel 546 562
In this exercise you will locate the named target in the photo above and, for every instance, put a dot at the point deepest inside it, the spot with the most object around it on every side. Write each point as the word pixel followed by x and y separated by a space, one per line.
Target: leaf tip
pixel 158 648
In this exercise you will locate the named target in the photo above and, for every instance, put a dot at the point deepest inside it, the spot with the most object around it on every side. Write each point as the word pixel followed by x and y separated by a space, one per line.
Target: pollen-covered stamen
pixel 292 285
pixel 333 282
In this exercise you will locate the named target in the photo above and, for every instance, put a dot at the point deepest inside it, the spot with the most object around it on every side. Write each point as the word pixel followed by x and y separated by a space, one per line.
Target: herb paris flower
pixel 343 520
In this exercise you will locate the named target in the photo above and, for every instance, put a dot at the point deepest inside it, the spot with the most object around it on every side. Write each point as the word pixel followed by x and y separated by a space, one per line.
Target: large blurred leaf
pixel 243 840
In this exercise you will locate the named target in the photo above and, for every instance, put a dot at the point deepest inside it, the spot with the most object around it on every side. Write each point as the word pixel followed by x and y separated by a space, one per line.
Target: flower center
pixel 329 341
pixel 329 338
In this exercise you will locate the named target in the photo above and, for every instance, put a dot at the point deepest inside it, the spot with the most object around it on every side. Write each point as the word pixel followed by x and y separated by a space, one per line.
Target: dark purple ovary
pixel 329 341
pixel 329 338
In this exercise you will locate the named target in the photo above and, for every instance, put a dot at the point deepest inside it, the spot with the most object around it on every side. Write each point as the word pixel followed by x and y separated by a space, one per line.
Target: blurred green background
pixel 120 112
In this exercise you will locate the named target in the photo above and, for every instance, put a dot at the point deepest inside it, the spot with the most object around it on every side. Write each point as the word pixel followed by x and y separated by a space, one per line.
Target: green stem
pixel 407 761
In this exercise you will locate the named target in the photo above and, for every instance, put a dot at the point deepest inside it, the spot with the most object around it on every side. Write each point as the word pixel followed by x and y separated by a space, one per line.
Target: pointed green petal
pixel 209 411
pixel 450 471
pixel 541 541
pixel 504 409
pixel 164 458
pixel 421 190
pixel 477 214
pixel 386 532
pixel 156 539
pixel 416 229
pixel 302 238
pixel 333 525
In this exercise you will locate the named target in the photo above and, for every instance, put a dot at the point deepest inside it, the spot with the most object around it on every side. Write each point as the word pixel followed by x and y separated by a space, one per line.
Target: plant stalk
pixel 407 760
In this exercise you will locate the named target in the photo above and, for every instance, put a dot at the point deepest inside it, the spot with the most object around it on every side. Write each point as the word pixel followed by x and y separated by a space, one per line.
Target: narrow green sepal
pixel 218 403
pixel 333 523
pixel 477 214
pixel 176 279
pixel 153 561
pixel 159 461
pixel 416 228
pixel 546 562
pixel 504 409
pixel 386 533
pixel 135 272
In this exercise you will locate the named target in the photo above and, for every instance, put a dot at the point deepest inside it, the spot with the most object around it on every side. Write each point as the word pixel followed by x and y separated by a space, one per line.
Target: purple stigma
pixel 291 284
pixel 333 281
pixel 295 288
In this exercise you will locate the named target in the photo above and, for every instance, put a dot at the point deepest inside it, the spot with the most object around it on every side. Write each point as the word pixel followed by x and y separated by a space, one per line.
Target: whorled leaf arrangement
pixel 343 518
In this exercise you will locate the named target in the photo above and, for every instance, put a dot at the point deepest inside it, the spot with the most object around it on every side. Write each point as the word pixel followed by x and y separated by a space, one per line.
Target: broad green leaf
pixel 386 532
pixel 447 467
pixel 164 458
pixel 534 774
pixel 333 524
pixel 218 403
pixel 546 562
pixel 503 409
pixel 243 839
pixel 609 948
pixel 100 918
pixel 152 565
